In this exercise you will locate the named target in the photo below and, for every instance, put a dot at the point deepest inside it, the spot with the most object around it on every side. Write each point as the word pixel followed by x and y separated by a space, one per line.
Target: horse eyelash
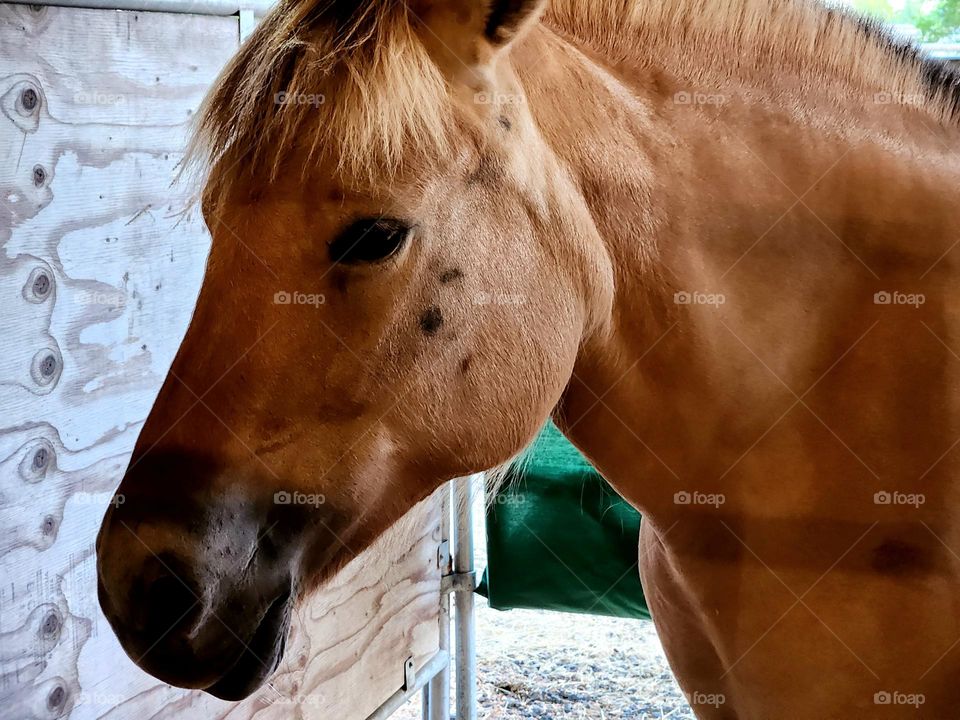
pixel 350 239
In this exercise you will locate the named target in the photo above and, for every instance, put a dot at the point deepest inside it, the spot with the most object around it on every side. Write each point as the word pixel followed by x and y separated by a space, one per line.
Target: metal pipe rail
pixel 436 697
pixel 457 579
pixel 466 658
pixel 434 666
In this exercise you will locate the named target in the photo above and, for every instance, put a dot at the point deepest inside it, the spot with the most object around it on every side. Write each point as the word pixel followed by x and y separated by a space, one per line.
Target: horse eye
pixel 369 241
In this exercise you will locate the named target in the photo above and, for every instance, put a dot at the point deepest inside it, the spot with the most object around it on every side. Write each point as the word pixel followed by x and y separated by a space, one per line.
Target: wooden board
pixel 99 269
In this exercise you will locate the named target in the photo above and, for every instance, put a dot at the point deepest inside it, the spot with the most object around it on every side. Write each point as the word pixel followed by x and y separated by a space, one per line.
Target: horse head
pixel 401 276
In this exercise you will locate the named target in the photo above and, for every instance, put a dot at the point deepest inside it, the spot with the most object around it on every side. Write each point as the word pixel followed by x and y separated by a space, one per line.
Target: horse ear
pixel 469 34
pixel 507 19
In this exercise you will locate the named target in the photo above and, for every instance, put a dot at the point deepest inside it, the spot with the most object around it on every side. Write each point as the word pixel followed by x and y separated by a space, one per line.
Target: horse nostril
pixel 171 601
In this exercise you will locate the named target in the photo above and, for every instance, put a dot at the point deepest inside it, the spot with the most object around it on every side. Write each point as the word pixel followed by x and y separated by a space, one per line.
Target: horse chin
pixel 260 657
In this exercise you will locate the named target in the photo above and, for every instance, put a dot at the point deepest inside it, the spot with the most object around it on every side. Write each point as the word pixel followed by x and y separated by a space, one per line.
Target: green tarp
pixel 560 538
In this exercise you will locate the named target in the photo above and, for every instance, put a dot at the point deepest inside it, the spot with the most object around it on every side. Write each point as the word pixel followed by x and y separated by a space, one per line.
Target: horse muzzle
pixel 198 586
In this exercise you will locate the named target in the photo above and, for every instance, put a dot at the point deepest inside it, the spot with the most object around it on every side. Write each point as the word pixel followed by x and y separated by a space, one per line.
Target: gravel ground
pixel 535 665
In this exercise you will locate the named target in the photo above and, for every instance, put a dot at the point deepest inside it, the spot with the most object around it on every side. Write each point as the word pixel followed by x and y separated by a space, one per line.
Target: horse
pixel 714 240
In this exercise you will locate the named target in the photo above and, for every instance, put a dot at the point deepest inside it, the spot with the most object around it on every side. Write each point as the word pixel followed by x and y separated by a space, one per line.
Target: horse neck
pixel 716 196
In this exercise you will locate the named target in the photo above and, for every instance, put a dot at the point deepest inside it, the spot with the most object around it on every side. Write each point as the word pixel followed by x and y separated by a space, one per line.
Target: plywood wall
pixel 100 263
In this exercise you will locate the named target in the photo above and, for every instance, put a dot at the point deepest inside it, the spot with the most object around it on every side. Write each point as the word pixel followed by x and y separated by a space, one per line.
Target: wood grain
pixel 101 262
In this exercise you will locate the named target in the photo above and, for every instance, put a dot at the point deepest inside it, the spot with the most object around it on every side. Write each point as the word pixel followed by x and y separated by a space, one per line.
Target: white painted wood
pixel 100 264
pixel 193 7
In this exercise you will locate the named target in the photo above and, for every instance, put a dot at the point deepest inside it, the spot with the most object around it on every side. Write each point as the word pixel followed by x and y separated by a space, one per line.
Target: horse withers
pixel 713 240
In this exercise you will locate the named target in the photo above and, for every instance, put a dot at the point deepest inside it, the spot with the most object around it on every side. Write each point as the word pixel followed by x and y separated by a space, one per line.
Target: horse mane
pixel 347 79
pixel 821 43
pixel 353 79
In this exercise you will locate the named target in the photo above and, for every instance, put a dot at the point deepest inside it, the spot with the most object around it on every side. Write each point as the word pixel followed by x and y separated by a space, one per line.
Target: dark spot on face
pixel 465 364
pixel 488 172
pixel 432 320
pixel 898 557
pixel 448 276
pixel 505 122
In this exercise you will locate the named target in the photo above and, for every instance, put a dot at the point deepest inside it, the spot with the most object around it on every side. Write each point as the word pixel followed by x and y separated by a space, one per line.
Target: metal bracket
pixel 247 23
pixel 443 555
pixel 459 582
pixel 409 675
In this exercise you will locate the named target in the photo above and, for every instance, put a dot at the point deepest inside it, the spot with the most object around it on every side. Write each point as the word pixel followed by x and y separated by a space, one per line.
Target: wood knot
pixel 29 100
pixel 39 285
